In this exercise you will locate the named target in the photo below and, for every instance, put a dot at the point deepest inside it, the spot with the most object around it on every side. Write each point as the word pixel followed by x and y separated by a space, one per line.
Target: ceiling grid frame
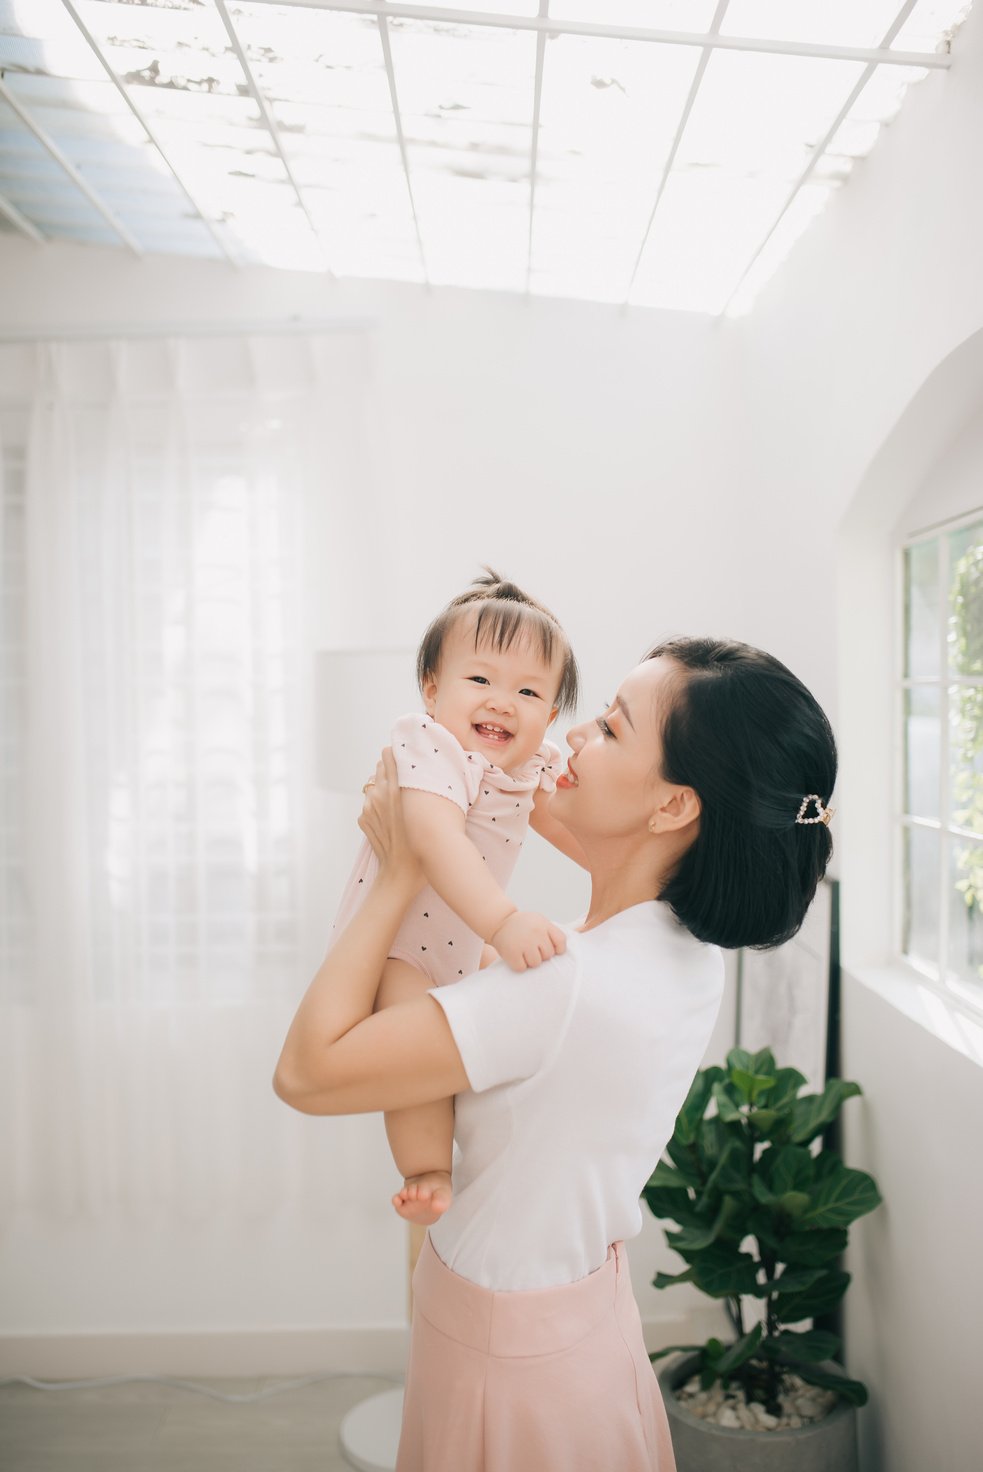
pixel 387 54
pixel 537 102
pixel 820 149
pixel 701 66
pixel 269 122
pixel 26 226
pixel 121 89
pixel 393 10
pixel 51 147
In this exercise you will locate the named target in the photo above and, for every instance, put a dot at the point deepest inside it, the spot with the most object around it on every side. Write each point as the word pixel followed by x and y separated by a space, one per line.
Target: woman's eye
pixel 605 728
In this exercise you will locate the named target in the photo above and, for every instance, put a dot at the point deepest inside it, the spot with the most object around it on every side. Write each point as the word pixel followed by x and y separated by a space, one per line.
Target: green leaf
pixel 852 1390
pixel 793 1203
pixel 813 1346
pixel 741 1350
pixel 726 1108
pixel 751 1085
pixel 731 1173
pixel 840 1197
pixel 671 1205
pixel 666 1280
pixel 813 1248
pixel 723 1272
pixel 789 1308
pixel 812 1113
pixel 763 1062
pixel 788 1168
pixel 793 1279
pixel 666 1177
pixel 764 1120
pixel 682 1158
pixel 695 1103
pixel 658 1354
pixel 740 1058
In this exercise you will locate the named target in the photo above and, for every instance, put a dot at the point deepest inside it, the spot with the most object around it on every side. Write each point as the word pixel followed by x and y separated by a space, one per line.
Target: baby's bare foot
pixel 424 1198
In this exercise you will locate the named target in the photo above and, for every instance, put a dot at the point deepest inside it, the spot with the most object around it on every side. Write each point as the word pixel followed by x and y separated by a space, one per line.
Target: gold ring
pixel 368 784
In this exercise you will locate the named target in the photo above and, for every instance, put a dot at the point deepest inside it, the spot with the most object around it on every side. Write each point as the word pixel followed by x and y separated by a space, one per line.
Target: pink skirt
pixel 549 1380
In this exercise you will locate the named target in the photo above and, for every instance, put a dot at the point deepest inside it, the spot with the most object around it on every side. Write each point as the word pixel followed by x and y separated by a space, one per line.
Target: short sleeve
pixel 508 1024
pixel 552 767
pixel 430 759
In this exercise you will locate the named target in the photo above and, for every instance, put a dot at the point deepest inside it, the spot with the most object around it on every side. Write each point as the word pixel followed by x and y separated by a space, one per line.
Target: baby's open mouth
pixel 496 734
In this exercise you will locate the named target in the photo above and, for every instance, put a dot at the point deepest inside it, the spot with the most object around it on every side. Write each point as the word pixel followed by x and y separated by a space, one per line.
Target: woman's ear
pixel 678 811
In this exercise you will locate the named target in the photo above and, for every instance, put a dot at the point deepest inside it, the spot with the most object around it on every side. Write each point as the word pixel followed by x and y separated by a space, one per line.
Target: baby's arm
pixel 541 821
pixel 456 870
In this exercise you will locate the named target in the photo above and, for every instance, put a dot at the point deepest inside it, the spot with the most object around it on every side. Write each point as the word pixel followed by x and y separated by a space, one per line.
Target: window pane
pixel 965 959
pixel 921 883
pixel 966 756
pixel 966 600
pixel 922 609
pixel 923 744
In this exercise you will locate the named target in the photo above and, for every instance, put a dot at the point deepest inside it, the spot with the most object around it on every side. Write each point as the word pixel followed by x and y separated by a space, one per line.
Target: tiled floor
pixel 146 1427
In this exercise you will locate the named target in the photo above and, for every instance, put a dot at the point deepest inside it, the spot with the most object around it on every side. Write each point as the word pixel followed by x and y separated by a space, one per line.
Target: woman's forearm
pixel 343 991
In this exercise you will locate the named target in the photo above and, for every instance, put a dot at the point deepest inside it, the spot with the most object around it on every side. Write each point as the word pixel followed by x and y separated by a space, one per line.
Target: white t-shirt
pixel 578 1070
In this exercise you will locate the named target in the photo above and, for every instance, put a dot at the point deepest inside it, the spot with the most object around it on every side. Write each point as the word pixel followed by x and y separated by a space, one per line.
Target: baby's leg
pixel 421 1138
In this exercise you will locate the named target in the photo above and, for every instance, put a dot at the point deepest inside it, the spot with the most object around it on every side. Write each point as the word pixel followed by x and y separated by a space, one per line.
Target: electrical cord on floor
pixel 192 1385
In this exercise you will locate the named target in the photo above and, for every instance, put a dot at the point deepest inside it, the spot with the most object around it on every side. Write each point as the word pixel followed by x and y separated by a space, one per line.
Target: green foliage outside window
pixel 966 658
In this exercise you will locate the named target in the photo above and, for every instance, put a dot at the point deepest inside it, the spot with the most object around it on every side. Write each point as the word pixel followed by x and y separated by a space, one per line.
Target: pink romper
pixel 496 804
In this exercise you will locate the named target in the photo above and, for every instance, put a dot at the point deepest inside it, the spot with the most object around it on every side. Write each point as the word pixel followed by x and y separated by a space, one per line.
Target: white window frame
pixel 949 988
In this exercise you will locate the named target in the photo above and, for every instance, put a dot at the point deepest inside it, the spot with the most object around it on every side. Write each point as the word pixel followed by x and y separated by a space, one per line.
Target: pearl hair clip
pixel 822 815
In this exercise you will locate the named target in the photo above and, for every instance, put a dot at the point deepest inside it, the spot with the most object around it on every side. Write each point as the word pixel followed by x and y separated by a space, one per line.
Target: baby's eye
pixel 533 693
pixel 478 679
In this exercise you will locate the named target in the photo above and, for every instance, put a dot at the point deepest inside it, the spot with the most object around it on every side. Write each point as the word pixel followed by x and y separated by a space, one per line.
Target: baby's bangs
pixel 501 625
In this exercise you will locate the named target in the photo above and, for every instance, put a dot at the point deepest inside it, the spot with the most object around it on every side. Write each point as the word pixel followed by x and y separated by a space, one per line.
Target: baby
pixel 475 768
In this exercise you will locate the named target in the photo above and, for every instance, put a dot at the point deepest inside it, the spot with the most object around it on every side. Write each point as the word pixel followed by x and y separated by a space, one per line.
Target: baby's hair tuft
pixel 504 615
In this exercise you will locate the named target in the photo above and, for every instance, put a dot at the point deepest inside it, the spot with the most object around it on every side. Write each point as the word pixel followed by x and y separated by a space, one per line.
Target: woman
pixel 697 801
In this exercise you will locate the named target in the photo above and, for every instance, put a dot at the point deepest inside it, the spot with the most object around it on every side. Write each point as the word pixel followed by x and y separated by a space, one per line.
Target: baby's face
pixel 495 701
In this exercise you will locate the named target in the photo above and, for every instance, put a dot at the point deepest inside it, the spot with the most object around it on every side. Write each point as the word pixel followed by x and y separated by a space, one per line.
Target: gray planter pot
pixel 829 1445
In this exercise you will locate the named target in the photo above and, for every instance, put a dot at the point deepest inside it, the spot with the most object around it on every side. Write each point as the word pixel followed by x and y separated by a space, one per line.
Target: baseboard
pixel 263 1352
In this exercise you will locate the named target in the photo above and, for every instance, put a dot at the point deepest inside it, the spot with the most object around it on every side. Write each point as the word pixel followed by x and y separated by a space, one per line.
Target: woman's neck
pixel 623 876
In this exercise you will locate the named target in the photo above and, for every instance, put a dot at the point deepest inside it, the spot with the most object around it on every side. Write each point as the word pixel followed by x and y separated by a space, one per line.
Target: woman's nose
pixel 576 736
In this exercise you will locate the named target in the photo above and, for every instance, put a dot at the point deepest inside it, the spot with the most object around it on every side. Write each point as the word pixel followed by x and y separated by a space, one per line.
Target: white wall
pixel 648 473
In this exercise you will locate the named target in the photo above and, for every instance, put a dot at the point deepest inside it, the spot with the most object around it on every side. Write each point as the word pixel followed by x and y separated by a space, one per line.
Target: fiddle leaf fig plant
pixel 761 1220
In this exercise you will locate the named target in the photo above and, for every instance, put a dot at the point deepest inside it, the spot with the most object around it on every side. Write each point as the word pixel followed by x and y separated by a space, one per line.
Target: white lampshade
pixel 358 696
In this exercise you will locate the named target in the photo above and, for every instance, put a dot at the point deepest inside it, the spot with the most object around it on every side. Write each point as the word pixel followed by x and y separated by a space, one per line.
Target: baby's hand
pixel 526 939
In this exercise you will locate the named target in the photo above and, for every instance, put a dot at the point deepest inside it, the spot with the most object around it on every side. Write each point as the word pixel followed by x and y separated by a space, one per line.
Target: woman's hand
pixel 382 823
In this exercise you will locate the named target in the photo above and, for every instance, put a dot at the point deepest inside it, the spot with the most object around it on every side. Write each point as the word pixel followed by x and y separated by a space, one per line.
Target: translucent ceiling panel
pixel 930 24
pixel 819 22
pixel 466 98
pixel 877 104
pixel 489 7
pixel 182 73
pixel 655 15
pixel 36 185
pixel 324 77
pixel 753 129
pixel 609 113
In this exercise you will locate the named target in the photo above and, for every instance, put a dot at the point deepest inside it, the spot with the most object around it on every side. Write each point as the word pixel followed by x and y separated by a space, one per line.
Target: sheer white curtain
pixel 155 769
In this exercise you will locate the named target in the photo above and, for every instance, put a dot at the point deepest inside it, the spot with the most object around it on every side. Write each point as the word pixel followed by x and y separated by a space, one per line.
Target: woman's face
pixel 612 785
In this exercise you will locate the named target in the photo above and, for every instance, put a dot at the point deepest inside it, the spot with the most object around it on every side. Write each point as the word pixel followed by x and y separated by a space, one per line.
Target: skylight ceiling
pixel 660 153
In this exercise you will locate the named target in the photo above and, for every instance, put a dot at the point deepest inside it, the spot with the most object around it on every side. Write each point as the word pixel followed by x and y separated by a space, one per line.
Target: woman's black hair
pixel 505 615
pixel 752 742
